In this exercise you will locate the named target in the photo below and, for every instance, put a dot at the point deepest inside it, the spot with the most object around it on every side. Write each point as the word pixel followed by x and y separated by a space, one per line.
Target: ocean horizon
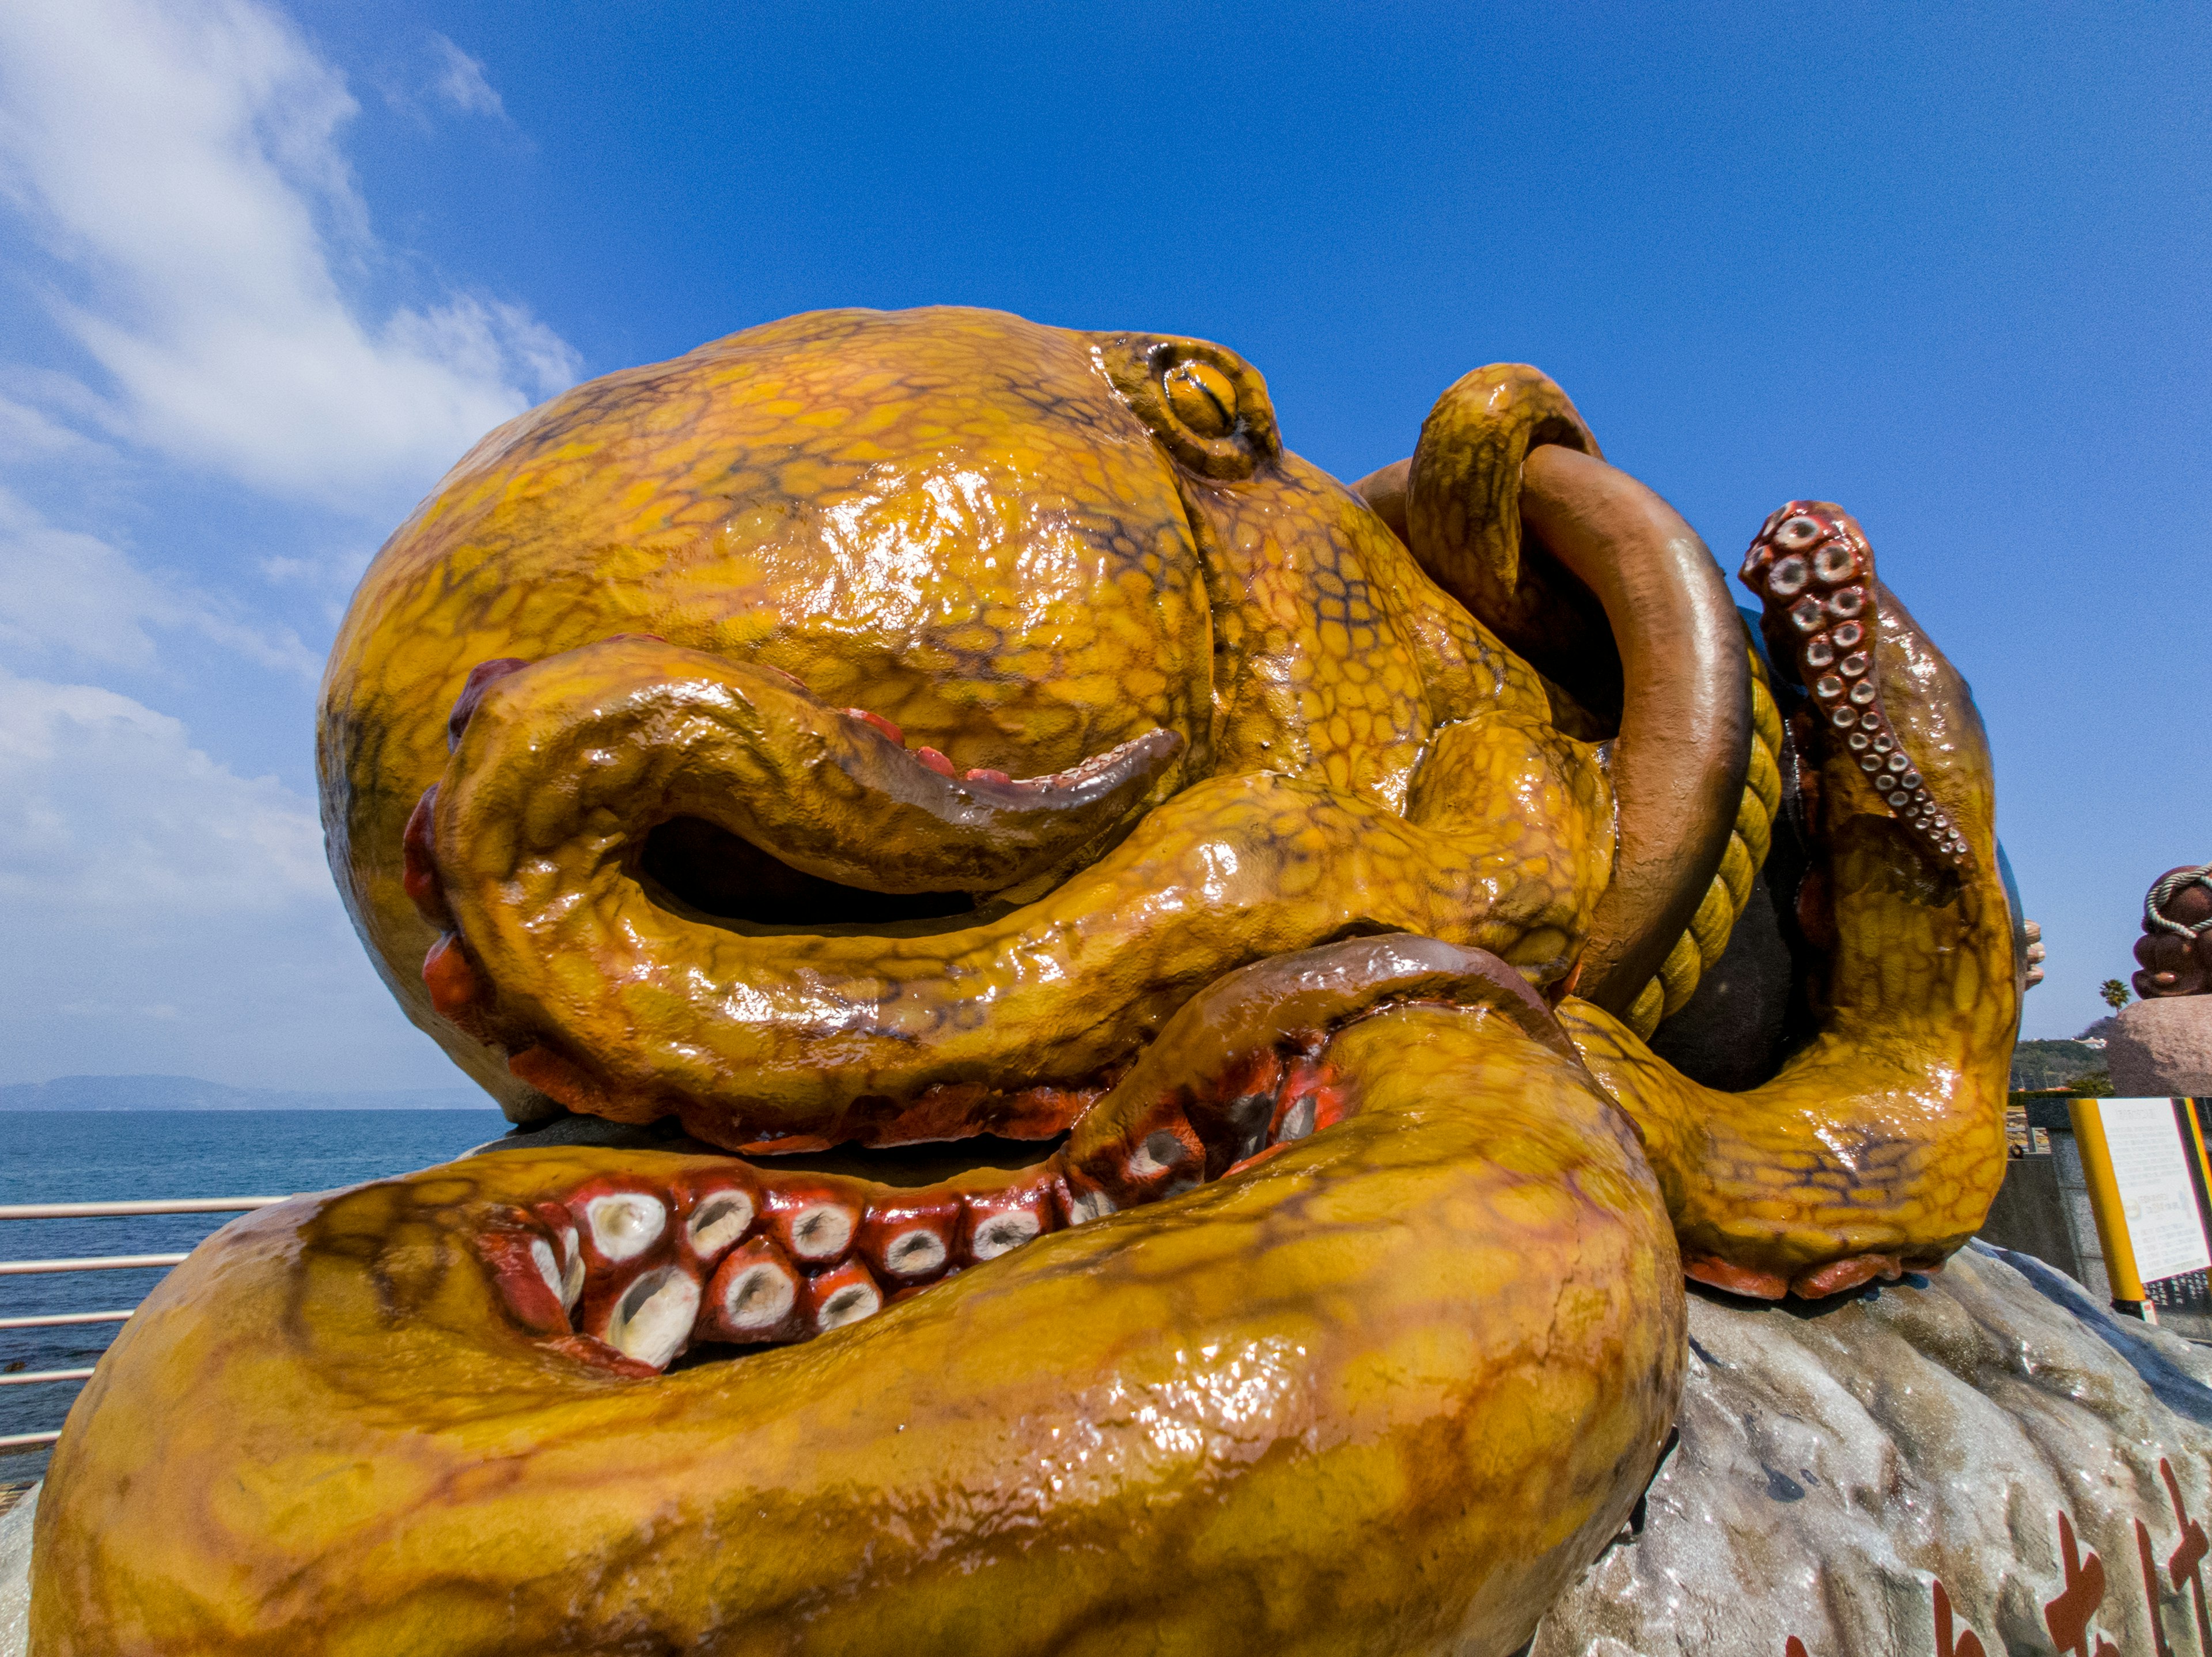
pixel 108 1154
pixel 178 1093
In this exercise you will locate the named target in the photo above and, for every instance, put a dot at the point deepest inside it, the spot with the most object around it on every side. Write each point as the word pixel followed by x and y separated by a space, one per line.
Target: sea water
pixel 106 1156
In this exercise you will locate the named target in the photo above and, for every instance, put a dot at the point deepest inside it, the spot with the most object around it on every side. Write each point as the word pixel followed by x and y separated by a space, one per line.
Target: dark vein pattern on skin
pixel 1162 803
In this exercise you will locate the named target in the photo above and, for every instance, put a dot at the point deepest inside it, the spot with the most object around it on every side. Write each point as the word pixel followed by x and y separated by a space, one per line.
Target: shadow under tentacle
pixel 1880 1143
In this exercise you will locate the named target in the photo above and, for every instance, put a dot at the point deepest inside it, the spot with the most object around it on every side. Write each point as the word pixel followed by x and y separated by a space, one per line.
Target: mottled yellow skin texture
pixel 1349 1317
pixel 954 519
pixel 1386 1392
pixel 1882 1142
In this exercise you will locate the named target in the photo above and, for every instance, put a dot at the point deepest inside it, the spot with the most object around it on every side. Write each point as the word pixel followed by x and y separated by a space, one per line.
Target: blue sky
pixel 268 271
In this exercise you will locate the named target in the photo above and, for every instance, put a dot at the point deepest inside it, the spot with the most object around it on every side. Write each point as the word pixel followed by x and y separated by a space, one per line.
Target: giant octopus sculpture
pixel 1175 953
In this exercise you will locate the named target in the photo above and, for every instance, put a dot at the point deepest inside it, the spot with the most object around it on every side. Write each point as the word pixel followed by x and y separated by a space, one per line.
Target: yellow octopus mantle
pixel 1155 958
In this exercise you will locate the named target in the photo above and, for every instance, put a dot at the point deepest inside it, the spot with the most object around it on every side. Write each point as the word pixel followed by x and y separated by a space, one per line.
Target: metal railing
pixel 93 1262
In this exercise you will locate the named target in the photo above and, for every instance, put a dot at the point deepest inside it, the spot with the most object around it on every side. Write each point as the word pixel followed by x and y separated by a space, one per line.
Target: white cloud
pixel 460 81
pixel 67 593
pixel 164 914
pixel 106 805
pixel 196 231
pixel 181 164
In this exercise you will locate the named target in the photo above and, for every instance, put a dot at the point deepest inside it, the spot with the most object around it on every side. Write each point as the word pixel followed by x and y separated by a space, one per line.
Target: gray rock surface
pixel 2162 1047
pixel 1835 1466
pixel 15 1575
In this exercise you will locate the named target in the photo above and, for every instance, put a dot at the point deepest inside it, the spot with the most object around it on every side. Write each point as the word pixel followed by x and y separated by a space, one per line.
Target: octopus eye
pixel 1203 398
pixel 1798 533
pixel 1206 406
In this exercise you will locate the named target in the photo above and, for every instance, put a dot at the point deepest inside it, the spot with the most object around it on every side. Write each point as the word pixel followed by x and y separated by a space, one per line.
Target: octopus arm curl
pixel 1263 1413
pixel 1594 577
pixel 1878 1146
pixel 612 1002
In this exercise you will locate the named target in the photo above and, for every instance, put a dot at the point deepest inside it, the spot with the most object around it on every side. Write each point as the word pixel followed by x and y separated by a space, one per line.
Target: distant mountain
pixel 191 1094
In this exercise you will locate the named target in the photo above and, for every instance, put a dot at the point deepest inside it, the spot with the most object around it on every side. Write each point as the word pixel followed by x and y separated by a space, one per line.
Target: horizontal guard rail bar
pixel 58 1319
pixel 26 1441
pixel 120 1210
pixel 33 1377
pixel 93 1262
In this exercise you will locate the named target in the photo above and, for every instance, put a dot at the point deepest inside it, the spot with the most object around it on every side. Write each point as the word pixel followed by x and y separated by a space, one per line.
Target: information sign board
pixel 2151 1169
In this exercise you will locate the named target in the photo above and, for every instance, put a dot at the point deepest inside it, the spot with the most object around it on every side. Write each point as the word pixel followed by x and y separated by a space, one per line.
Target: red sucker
pixel 1746 1281
pixel 505 1251
pixel 934 760
pixel 561 1079
pixel 753 1297
pixel 844 1294
pixel 911 1241
pixel 1839 1277
pixel 815 1220
pixel 715 1211
pixel 996 1222
pixel 635 1229
pixel 482 678
pixel 1297 1105
pixel 882 724
pixel 985 774
pixel 419 862
pixel 604 1286
pixel 456 991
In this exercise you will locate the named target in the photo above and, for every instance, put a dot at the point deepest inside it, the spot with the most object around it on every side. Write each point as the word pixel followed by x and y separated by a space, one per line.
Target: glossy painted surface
pixel 1387 1391
pixel 1880 1144
pixel 876 729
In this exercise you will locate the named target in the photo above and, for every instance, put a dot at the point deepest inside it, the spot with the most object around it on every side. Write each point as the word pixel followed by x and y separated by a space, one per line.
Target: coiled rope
pixel 2168 886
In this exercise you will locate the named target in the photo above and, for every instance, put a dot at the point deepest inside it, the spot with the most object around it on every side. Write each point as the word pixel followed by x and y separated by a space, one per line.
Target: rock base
pixel 2162 1048
pixel 1984 1452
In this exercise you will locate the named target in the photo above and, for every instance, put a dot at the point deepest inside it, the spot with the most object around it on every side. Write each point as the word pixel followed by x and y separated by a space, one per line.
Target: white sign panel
pixel 2144 1142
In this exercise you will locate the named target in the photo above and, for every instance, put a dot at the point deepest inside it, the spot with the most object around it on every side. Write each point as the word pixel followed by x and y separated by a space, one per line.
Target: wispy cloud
pixel 68 594
pixel 215 328
pixel 212 253
pixel 106 806
pixel 460 81
pixel 164 914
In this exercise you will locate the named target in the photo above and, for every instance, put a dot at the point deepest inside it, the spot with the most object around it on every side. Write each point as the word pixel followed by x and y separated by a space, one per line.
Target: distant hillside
pixel 2039 1064
pixel 191 1094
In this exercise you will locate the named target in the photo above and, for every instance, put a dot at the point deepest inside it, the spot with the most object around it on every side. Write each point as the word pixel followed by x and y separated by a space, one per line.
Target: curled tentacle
pixel 633 732
pixel 1605 589
pixel 1878 1147
pixel 882 1034
pixel 1523 523
pixel 1679 762
pixel 1705 940
pixel 395 1440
